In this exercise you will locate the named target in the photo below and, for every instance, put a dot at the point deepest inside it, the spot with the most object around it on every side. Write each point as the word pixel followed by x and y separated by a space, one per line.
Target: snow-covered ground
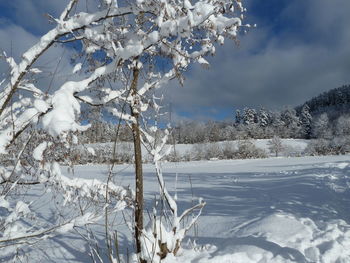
pixel 260 210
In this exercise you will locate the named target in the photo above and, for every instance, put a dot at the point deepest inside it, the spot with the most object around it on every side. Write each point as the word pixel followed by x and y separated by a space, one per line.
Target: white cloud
pixel 32 14
pixel 273 69
pixel 14 40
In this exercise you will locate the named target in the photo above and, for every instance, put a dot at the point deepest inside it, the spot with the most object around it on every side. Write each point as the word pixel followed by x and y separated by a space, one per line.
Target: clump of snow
pixel 65 108
pixel 153 36
pixel 4 203
pixel 77 68
pixel 41 105
pixel 39 150
pixel 203 61
pixel 91 151
pixel 35 70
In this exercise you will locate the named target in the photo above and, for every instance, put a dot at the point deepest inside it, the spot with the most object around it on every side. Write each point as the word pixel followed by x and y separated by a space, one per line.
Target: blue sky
pixel 299 49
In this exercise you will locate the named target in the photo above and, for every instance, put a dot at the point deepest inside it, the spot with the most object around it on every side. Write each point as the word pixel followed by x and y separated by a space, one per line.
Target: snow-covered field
pixel 260 210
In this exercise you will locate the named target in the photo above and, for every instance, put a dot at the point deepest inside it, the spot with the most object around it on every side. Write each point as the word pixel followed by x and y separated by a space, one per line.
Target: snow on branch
pixel 63 28
pixel 85 188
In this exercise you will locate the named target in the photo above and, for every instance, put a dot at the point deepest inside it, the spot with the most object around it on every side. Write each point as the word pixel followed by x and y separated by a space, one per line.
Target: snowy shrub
pixel 125 153
pixel 187 156
pixel 228 150
pixel 102 153
pixel 213 150
pixel 248 150
pixel 292 151
pixel 174 156
pixel 198 152
pixel 319 147
pixel 338 145
pixel 206 151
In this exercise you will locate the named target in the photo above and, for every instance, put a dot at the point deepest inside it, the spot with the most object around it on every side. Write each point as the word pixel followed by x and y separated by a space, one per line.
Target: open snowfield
pixel 263 210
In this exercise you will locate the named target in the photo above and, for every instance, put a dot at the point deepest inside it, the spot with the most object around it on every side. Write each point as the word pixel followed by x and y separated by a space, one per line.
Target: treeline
pixel 248 124
pixel 321 117
pixel 335 102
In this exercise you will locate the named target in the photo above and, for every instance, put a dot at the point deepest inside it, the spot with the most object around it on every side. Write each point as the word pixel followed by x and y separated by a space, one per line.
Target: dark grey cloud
pixel 308 54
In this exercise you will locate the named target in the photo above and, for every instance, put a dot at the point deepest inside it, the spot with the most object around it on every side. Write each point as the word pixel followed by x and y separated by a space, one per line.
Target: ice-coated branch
pixel 159 240
pixel 120 115
pixel 64 27
pixel 85 188
pixel 68 9
pixel 29 236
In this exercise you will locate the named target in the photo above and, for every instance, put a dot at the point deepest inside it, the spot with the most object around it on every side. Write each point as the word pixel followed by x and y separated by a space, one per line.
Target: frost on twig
pixel 164 234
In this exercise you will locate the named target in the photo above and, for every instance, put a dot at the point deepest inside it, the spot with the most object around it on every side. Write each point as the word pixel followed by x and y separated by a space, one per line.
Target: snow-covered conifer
pixel 249 116
pixel 263 118
pixel 305 121
pixel 238 117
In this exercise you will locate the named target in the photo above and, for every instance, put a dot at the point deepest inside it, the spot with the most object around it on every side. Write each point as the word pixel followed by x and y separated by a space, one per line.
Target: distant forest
pixel 335 102
pixel 322 117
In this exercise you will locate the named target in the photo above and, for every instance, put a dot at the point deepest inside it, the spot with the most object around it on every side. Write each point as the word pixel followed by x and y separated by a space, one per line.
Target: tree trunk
pixel 138 164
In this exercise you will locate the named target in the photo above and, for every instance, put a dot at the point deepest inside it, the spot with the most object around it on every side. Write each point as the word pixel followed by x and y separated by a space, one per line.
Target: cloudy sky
pixel 299 49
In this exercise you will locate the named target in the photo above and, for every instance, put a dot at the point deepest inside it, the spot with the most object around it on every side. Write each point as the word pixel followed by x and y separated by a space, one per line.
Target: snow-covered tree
pixel 277 123
pixel 213 131
pixel 263 118
pixel 342 127
pixel 305 121
pixel 238 117
pixel 125 41
pixel 275 145
pixel 249 116
pixel 291 122
pixel 321 128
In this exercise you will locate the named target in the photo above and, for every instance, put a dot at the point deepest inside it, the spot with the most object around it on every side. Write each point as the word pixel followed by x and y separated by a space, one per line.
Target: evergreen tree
pixel 238 117
pixel 263 118
pixel 249 116
pixel 305 121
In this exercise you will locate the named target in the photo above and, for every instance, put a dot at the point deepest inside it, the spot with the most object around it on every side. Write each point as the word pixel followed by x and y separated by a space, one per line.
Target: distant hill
pixel 334 102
